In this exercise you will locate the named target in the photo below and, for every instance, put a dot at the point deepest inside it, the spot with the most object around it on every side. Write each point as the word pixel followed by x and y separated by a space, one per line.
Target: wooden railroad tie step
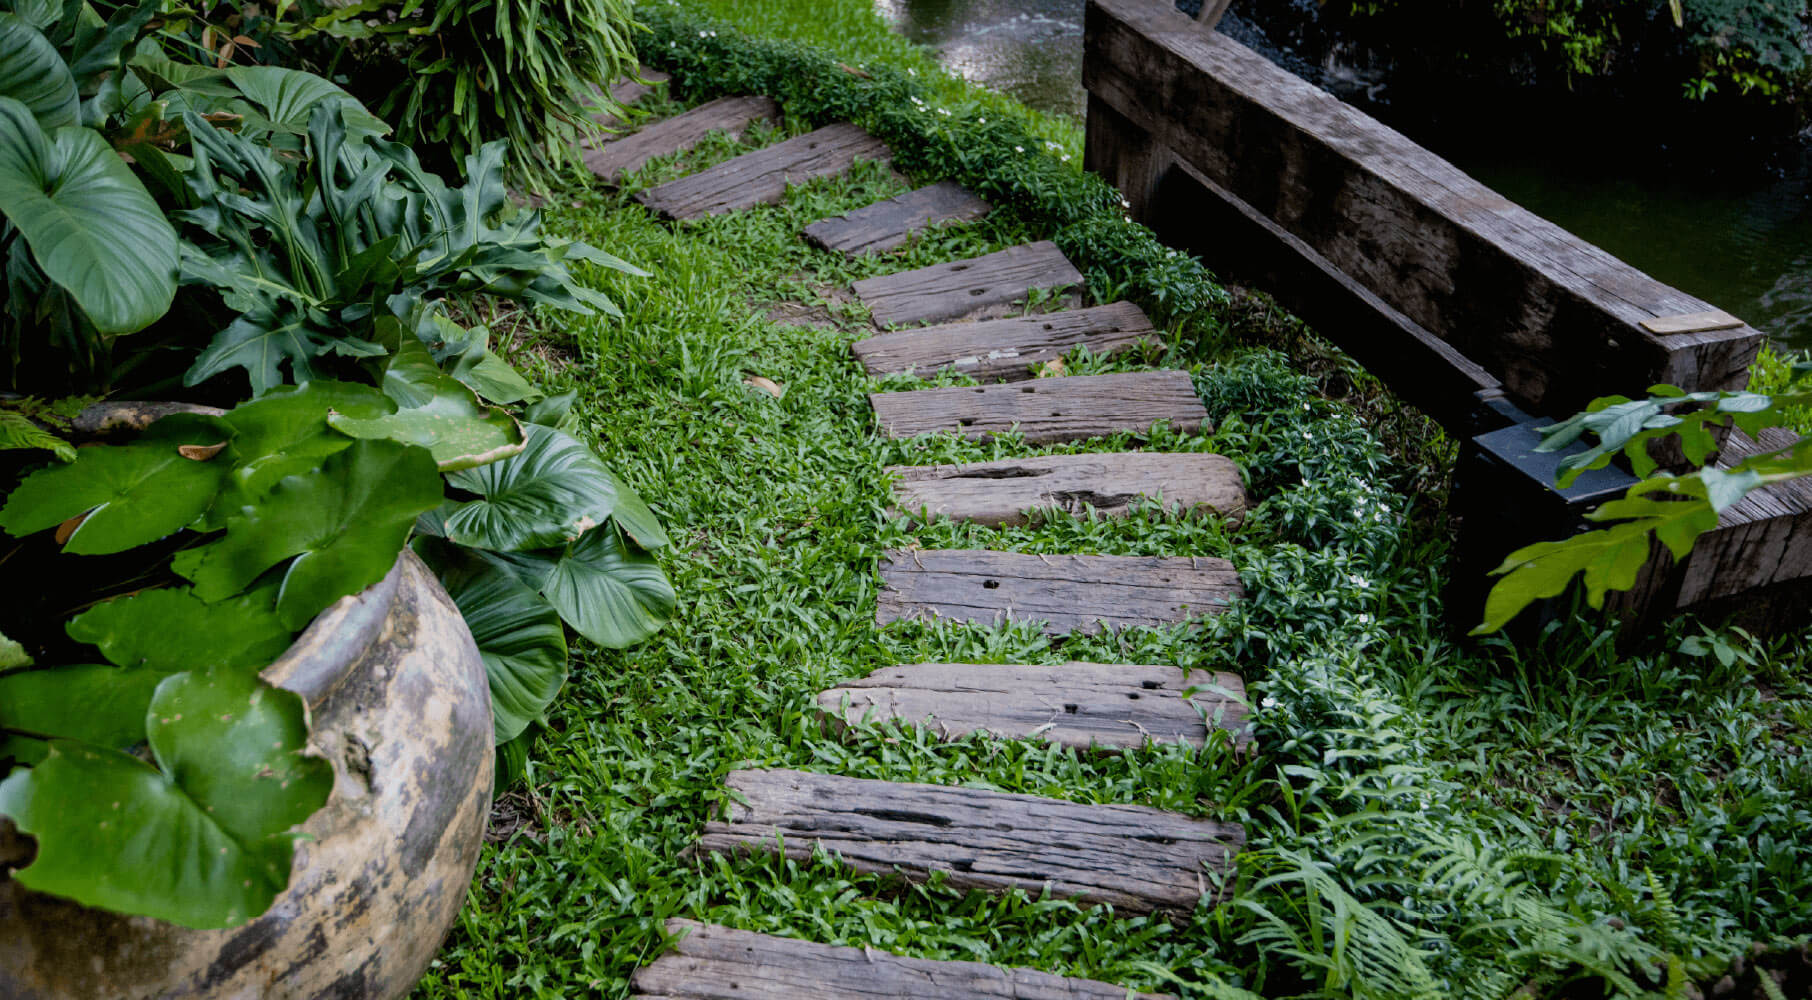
pixel 1136 858
pixel 1076 704
pixel 613 157
pixel 995 284
pixel 1065 593
pixel 1002 492
pixel 718 963
pixel 1005 349
pixel 887 224
pixel 761 177
pixel 1047 409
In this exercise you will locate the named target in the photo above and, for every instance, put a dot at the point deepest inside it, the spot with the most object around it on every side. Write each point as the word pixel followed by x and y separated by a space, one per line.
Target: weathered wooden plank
pixel 761 177
pixel 1077 704
pixel 1136 858
pixel 967 289
pixel 1763 540
pixel 1555 318
pixel 1065 593
pixel 1005 349
pixel 1046 409
pixel 887 224
pixel 611 158
pixel 1001 492
pixel 717 963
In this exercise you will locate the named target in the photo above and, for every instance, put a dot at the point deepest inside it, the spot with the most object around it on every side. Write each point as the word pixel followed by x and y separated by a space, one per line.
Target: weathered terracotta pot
pixel 400 705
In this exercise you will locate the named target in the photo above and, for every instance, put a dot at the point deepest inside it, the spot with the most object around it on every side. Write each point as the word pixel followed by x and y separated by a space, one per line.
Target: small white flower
pixel 944 111
pixel 1364 619
pixel 1359 581
pixel 1066 158
pixel 1019 149
pixel 1125 204
pixel 914 99
pixel 704 34
pixel 1306 436
pixel 1306 407
pixel 911 72
pixel 713 34
pixel 1269 702
pixel 981 121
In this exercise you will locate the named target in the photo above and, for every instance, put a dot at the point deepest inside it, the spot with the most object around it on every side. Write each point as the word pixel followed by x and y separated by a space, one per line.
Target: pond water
pixel 1735 231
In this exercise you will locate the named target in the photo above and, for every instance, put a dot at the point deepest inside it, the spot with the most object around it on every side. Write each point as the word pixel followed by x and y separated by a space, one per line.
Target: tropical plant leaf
pixel 12 654
pixel 171 630
pixel 634 517
pixel 18 432
pixel 92 227
pixel 545 497
pixel 262 340
pixel 287 97
pixel 518 634
pixel 343 525
pixel 95 703
pixel 132 494
pixel 438 413
pixel 202 839
pixel 34 74
pixel 285 433
pixel 608 593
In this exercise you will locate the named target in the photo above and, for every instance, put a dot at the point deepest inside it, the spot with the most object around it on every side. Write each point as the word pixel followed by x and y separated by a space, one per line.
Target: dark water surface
pixel 1737 234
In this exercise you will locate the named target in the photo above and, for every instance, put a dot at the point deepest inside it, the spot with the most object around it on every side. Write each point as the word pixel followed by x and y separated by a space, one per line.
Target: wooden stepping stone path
pixel 613 157
pixel 761 177
pixel 1066 593
pixel 718 963
pixel 1136 858
pixel 1001 492
pixel 1076 704
pixel 887 224
pixel 1047 409
pixel 980 287
pixel 1006 350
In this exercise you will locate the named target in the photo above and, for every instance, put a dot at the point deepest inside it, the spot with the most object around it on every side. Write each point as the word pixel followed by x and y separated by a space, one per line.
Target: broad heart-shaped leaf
pixel 34 74
pixel 344 524
pixel 133 493
pixel 608 593
pixel 518 634
pixel 92 227
pixel 93 702
pixel 545 497
pixel 202 839
pixel 285 433
pixel 264 338
pixel 172 630
pixel 288 96
pixel 439 414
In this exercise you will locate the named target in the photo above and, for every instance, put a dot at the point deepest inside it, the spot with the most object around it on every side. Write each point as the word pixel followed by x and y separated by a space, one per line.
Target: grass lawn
pixel 1427 817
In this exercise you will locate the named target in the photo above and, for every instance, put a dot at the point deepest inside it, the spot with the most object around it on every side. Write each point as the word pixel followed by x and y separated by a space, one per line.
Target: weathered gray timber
pixel 1081 705
pixel 1065 593
pixel 1001 492
pixel 761 177
pixel 614 157
pixel 717 963
pixel 1763 540
pixel 887 224
pixel 1557 320
pixel 1135 858
pixel 967 289
pixel 1046 409
pixel 1005 349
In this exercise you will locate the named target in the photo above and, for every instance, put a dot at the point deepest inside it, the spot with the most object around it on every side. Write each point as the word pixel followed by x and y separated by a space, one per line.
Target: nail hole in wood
pixel 990 584
pixel 1151 685
pixel 1070 709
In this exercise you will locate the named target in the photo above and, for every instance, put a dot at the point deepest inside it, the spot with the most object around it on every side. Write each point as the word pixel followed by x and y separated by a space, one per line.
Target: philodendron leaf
pixel 547 496
pixel 92 227
pixel 343 524
pixel 606 591
pixel 132 494
pixel 261 340
pixel 285 433
pixel 34 74
pixel 171 630
pixel 202 839
pixel 438 413
pixel 288 96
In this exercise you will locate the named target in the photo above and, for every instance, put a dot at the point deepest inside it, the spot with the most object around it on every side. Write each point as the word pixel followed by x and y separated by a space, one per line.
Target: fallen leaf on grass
pixel 766 385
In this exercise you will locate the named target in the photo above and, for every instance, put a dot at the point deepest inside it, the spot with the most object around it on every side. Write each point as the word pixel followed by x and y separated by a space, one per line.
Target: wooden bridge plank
pixel 1077 704
pixel 611 158
pixel 719 963
pixel 1005 349
pixel 1066 593
pixel 761 177
pixel 887 224
pixel 1001 492
pixel 1136 858
pixel 1046 409
pixel 967 289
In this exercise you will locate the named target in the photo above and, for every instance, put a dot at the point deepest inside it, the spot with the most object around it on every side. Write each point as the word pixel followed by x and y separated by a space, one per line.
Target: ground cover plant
pixel 1428 816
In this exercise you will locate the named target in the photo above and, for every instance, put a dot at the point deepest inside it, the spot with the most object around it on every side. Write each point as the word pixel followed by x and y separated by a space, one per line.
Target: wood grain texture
pixel 1065 593
pixel 717 963
pixel 1136 858
pixel 761 177
pixel 611 158
pixel 1558 320
pixel 887 224
pixel 1008 350
pixel 1046 409
pixel 1001 492
pixel 1763 539
pixel 1716 319
pixel 1076 704
pixel 967 289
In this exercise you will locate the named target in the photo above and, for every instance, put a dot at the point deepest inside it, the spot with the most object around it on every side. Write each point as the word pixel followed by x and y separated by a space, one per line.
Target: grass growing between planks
pixel 1426 818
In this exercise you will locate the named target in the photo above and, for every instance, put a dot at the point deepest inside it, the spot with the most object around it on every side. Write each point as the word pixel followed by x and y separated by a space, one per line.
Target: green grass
pixel 1426 817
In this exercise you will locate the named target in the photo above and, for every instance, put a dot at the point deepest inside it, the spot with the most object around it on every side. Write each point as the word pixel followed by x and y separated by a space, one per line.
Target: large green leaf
pixel 438 413
pixel 285 433
pixel 93 702
pixel 343 524
pixel 34 74
pixel 132 494
pixel 287 97
pixel 606 591
pixel 547 496
pixel 92 227
pixel 518 634
pixel 200 840
pixel 265 338
pixel 172 630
